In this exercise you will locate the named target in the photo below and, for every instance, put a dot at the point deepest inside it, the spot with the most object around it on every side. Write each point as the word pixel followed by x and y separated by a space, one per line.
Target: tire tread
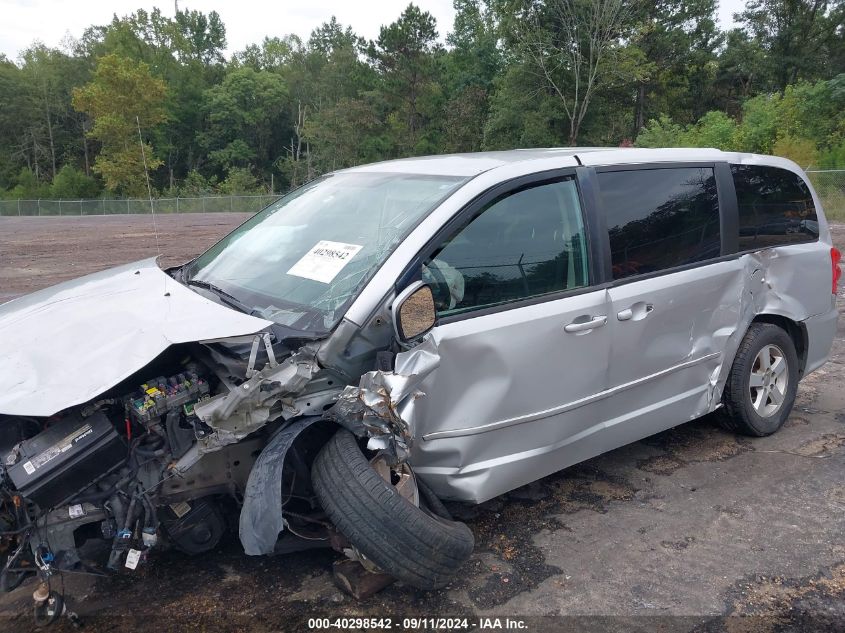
pixel 414 546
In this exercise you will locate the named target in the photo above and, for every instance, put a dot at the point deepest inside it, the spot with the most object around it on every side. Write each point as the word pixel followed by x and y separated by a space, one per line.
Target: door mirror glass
pixel 415 313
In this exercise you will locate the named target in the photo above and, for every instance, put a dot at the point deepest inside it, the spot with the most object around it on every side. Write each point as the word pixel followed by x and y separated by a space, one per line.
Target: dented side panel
pixel 676 339
pixel 664 369
pixel 513 391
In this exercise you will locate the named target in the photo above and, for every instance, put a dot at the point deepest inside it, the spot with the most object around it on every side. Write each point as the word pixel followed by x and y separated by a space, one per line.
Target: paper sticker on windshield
pixel 324 261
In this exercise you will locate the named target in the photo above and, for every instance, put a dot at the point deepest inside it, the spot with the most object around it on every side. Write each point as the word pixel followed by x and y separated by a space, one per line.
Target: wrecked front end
pixel 201 429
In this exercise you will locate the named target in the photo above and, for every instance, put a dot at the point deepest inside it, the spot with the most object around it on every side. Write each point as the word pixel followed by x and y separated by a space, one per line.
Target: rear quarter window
pixel 775 207
pixel 660 218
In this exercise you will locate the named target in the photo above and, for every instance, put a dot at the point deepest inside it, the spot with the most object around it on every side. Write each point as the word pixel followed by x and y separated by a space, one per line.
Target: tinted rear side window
pixel 775 207
pixel 660 218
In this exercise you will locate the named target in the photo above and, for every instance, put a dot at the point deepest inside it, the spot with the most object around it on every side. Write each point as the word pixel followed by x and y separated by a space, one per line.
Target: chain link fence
pixel 828 183
pixel 830 186
pixel 208 204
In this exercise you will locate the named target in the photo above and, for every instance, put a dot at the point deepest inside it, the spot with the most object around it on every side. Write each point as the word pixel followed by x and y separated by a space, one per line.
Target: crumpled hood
pixel 65 345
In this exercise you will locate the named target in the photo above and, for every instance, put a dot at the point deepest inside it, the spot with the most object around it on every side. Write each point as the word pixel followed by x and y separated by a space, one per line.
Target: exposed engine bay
pixel 138 469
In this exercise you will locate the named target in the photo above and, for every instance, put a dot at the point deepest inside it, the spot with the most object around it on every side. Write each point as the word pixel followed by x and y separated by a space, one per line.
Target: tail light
pixel 835 258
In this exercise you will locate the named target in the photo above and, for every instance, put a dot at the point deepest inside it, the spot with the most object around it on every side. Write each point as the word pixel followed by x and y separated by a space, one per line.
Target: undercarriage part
pixel 421 549
pixel 289 542
pixel 61 523
pixel 222 472
pixel 16 569
pixel 194 527
pixel 68 455
pixel 180 433
pixel 49 606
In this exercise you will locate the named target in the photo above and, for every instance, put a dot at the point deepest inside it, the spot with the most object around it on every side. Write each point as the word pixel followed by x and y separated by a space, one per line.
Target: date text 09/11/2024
pixel 418 623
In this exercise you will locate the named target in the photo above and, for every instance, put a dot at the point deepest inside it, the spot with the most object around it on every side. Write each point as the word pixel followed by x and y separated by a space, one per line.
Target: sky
pixel 247 21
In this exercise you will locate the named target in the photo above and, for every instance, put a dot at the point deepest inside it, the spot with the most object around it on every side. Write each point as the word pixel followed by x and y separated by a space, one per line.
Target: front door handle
pixel 583 326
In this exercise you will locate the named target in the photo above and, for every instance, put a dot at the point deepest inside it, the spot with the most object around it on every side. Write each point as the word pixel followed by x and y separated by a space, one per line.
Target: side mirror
pixel 414 313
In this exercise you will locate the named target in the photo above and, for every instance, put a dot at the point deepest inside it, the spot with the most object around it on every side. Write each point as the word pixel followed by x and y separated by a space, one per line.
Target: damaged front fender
pixel 382 406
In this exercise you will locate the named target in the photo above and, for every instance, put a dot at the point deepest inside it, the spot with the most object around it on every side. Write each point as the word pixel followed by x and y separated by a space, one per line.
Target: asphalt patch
pixel 699 441
pixel 507 562
pixel 780 604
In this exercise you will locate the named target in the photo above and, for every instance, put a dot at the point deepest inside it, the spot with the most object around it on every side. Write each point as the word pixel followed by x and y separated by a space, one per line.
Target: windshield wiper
pixel 224 296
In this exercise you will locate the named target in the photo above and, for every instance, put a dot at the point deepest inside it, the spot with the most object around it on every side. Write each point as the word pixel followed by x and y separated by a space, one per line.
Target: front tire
pixel 762 383
pixel 412 545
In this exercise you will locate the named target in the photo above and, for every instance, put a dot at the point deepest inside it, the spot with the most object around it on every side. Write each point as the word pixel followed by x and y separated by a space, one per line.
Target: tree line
pixel 82 120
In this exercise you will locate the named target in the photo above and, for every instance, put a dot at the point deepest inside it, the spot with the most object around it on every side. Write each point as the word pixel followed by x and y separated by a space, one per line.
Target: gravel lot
pixel 684 531
pixel 38 252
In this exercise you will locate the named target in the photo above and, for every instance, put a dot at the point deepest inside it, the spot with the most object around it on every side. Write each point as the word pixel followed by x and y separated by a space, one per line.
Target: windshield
pixel 305 257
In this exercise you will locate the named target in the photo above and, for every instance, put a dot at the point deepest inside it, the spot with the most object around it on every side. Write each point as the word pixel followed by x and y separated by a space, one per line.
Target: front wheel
pixel 761 386
pixel 420 548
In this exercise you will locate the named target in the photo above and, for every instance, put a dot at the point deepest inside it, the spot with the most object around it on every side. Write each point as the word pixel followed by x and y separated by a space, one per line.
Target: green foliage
pixel 28 187
pixel 122 96
pixel 714 129
pixel 239 181
pixel 344 127
pixel 833 157
pixel 243 114
pixel 403 55
pixel 196 185
pixel 799 37
pixel 662 132
pixel 805 124
pixel 72 184
pixel 801 150
pixel 512 73
pixel 758 129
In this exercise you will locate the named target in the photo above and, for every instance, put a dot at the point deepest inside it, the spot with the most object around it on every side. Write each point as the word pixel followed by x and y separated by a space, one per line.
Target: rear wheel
pixel 761 386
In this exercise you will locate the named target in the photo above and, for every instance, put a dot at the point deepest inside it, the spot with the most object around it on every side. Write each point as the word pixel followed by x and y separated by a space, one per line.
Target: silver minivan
pixel 397 334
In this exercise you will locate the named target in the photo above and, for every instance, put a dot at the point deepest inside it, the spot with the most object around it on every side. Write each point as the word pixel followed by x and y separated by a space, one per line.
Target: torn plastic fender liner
pixel 381 407
pixel 261 519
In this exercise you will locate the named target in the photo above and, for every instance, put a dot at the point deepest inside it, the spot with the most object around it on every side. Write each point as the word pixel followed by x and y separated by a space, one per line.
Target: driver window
pixel 525 244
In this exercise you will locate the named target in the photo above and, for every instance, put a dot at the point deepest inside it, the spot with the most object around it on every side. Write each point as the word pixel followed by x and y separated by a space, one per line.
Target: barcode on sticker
pixel 29 468
pixel 324 261
pixel 180 509
pixel 75 511
pixel 132 558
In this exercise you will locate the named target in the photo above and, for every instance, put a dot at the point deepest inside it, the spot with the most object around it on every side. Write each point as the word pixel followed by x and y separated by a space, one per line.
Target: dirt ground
pixel 694 529
pixel 38 252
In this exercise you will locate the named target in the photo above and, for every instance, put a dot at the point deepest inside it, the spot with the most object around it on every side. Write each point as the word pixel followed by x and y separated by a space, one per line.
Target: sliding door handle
pixel 636 312
pixel 583 326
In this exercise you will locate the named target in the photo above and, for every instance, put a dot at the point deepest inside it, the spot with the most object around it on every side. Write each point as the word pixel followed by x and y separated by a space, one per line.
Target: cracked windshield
pixel 300 261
